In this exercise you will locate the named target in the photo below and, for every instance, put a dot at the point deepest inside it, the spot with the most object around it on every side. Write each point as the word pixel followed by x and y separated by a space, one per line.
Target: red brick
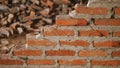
pixel 90 10
pixel 60 53
pixel 41 62
pixel 91 53
pixel 73 62
pixel 41 42
pixel 27 52
pixel 117 33
pixel 116 54
pixel 107 44
pixel 117 10
pixel 31 16
pixel 71 22
pixel 27 18
pixel 10 62
pixel 50 3
pixel 75 43
pixel 59 33
pixel 106 22
pixel 105 62
pixel 94 33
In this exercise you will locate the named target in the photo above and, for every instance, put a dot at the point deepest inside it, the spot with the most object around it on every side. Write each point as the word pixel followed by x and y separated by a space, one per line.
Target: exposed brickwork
pixel 94 33
pixel 116 33
pixel 41 42
pixel 71 22
pixel 40 62
pixel 27 53
pixel 89 37
pixel 91 53
pixel 107 44
pixel 108 22
pixel 105 62
pixel 59 33
pixel 75 43
pixel 87 10
pixel 117 10
pixel 116 54
pixel 10 62
pixel 73 62
pixel 60 53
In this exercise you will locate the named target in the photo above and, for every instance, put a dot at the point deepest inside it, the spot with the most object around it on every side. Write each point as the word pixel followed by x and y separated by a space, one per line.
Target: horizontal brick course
pixel 107 44
pixel 71 22
pixel 27 52
pixel 116 33
pixel 60 53
pixel 90 10
pixel 108 22
pixel 40 62
pixel 10 62
pixel 59 33
pixel 116 53
pixel 92 53
pixel 43 42
pixel 117 11
pixel 74 43
pixel 93 33
pixel 72 62
pixel 105 62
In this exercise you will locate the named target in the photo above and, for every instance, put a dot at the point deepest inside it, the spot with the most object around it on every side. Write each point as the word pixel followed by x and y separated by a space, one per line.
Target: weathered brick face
pixel 117 11
pixel 94 11
pixel 88 39
pixel 71 22
pixel 108 22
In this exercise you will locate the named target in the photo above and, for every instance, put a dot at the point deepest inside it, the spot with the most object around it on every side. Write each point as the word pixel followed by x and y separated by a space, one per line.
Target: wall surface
pixel 88 37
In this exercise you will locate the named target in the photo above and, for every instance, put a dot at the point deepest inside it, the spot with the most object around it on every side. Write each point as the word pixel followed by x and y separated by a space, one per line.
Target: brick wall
pixel 88 37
